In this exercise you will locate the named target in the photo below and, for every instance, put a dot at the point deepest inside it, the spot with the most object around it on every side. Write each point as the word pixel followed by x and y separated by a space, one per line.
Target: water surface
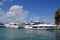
pixel 25 34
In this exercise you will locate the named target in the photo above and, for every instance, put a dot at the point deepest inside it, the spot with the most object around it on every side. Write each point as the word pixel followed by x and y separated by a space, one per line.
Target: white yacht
pixel 40 26
pixel 12 25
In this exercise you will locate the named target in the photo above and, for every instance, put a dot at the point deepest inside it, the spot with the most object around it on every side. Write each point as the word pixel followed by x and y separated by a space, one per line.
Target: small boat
pixel 12 25
pixel 40 26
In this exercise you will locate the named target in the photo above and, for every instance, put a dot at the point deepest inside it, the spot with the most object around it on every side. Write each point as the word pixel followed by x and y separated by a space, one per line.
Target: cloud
pixel 1 3
pixel 7 0
pixel 1 12
pixel 16 13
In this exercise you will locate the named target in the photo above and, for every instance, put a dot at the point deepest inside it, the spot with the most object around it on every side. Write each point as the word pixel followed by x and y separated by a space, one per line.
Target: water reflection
pixel 57 34
pixel 24 34
pixel 42 34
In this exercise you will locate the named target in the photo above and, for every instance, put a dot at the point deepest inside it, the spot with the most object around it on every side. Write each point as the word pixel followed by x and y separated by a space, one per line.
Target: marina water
pixel 26 34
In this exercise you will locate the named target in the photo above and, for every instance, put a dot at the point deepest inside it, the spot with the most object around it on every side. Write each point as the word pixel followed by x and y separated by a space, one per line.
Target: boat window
pixel 50 26
pixel 46 26
pixel 41 27
pixel 15 24
pixel 1 24
pixel 35 27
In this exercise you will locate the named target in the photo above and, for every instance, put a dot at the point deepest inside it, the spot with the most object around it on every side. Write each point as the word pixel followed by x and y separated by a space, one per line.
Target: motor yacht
pixel 12 25
pixel 40 26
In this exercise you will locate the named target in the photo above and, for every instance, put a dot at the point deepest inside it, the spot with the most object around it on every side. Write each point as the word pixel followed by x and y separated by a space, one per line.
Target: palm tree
pixel 57 16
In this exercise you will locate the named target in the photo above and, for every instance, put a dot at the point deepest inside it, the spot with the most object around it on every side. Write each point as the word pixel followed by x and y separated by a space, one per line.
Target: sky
pixel 26 10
